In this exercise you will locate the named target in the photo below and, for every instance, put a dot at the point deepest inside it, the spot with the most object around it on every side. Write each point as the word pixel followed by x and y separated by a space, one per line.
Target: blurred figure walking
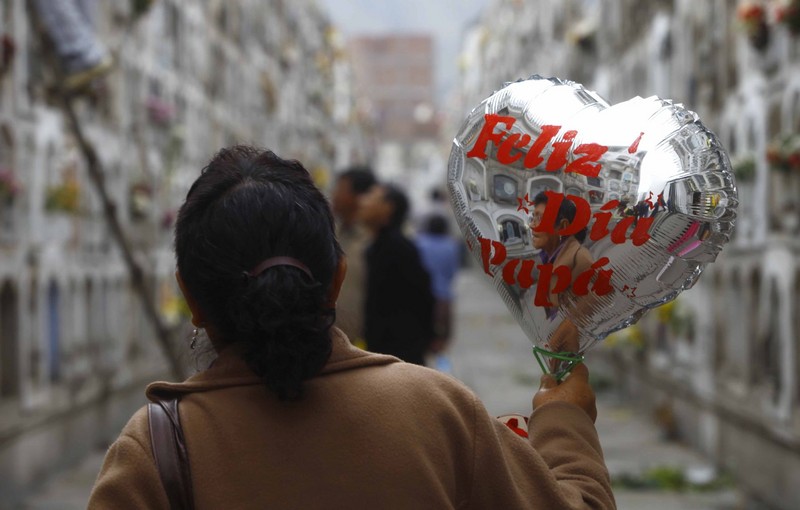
pixel 350 186
pixel 398 312
pixel 441 256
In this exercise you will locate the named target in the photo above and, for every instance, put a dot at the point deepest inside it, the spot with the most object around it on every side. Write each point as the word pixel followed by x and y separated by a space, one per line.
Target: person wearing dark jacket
pixel 399 304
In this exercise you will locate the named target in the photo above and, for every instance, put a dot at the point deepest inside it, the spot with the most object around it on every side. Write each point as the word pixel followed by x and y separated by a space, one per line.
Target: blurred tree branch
pixel 165 336
pixel 140 283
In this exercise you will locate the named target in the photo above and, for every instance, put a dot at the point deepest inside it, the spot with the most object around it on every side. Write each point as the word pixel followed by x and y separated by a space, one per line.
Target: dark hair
pixel 566 211
pixel 436 224
pixel 361 178
pixel 249 205
pixel 399 201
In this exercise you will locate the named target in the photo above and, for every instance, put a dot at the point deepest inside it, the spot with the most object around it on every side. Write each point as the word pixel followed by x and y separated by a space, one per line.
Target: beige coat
pixel 350 304
pixel 371 433
pixel 576 257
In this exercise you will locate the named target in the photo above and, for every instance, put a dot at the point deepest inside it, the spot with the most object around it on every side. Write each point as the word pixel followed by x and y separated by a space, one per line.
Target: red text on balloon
pixel 510 147
pixel 583 215
pixel 550 279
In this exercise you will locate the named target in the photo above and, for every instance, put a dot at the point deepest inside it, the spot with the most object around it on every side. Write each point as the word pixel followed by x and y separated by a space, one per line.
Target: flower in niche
pixel 752 17
pixel 160 111
pixel 141 200
pixel 64 197
pixel 677 317
pixel 783 154
pixel 9 185
pixel 630 337
pixel 751 13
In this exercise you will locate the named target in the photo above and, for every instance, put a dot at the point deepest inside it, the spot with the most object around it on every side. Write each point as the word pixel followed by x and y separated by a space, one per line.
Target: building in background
pixel 395 97
pixel 721 362
pixel 190 77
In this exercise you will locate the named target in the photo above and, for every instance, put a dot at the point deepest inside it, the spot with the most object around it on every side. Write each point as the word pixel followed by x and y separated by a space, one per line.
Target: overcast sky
pixel 444 19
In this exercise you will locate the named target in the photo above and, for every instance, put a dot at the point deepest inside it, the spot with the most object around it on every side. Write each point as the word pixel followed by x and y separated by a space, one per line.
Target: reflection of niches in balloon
pixel 550 279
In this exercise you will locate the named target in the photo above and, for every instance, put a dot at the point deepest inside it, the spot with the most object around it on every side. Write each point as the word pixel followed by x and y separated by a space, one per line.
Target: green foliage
pixel 669 478
pixel 64 197
pixel 744 168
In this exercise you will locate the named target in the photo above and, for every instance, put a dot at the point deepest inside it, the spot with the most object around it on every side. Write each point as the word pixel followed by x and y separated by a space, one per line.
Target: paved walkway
pixel 492 356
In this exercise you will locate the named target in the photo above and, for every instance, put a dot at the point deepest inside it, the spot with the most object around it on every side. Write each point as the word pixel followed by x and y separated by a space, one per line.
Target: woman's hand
pixel 574 389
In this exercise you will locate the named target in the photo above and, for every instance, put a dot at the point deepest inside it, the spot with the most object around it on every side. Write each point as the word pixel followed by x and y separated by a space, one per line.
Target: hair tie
pixel 278 261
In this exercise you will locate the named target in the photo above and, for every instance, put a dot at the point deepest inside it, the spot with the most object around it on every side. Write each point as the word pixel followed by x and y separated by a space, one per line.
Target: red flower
pixel 750 12
pixel 773 155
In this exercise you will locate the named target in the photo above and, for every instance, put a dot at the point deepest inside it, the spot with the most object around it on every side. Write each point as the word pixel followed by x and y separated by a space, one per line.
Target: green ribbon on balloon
pixel 572 359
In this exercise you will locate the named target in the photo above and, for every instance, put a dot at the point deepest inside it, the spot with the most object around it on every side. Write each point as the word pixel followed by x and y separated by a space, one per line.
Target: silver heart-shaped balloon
pixel 587 215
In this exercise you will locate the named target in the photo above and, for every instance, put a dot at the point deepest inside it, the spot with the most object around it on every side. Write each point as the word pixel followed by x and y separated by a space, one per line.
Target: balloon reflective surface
pixel 584 214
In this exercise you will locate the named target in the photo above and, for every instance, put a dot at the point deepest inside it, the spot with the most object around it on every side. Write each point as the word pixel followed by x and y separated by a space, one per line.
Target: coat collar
pixel 566 252
pixel 229 369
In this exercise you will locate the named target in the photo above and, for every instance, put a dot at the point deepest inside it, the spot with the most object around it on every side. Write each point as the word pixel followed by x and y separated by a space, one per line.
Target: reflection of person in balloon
pixel 555 249
pixel 560 251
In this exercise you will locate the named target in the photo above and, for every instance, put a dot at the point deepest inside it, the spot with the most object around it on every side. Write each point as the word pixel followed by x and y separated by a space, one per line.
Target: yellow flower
pixel 665 312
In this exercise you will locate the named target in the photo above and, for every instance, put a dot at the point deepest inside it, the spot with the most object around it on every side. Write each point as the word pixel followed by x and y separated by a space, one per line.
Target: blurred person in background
pixel 437 204
pixel 353 238
pixel 441 256
pixel 291 415
pixel 398 308
pixel 83 57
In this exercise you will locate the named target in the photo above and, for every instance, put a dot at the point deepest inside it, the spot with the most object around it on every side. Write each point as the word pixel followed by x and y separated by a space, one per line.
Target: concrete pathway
pixel 492 355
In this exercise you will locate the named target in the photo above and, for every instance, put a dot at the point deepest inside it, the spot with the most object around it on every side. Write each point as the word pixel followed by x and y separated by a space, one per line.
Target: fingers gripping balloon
pixel 586 215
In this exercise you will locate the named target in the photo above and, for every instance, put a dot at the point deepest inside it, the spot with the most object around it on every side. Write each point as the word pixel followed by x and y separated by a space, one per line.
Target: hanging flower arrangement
pixel 783 155
pixel 9 186
pixel 752 18
pixel 787 13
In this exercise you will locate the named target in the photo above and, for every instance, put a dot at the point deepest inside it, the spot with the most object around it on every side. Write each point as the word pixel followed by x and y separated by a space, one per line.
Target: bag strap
pixel 169 451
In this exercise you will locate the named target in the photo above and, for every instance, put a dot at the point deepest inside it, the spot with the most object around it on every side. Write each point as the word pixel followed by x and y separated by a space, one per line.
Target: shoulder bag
pixel 169 451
